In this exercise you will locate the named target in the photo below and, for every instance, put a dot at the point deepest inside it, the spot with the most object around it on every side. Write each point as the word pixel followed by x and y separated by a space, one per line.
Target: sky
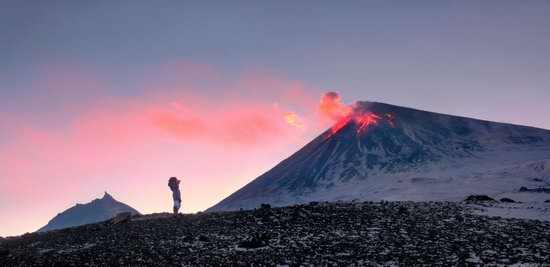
pixel 118 96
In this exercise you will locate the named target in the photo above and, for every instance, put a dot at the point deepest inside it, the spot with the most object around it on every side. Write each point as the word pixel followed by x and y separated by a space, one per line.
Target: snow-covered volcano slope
pixel 386 152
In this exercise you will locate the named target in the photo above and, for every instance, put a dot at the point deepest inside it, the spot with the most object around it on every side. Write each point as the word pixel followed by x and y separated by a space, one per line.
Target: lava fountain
pixel 362 121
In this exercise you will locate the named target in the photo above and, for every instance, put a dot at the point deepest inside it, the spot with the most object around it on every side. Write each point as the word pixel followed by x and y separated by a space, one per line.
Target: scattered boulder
pixel 547 201
pixel 265 212
pixel 188 237
pixel 255 241
pixel 479 198
pixel 45 251
pixel 203 238
pixel 122 217
pixel 4 252
pixel 265 209
pixel 507 200
pixel 534 190
pixel 403 210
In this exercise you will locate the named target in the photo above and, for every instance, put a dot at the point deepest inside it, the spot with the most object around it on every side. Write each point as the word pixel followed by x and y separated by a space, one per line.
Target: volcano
pixel 387 152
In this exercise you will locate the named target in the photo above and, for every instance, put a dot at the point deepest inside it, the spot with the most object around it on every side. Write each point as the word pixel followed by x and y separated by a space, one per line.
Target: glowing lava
pixel 362 121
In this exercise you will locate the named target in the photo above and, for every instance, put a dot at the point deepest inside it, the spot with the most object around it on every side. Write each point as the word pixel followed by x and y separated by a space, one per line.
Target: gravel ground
pixel 318 234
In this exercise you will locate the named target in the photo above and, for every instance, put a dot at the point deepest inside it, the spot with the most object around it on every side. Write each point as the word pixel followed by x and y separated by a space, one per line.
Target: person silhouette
pixel 174 185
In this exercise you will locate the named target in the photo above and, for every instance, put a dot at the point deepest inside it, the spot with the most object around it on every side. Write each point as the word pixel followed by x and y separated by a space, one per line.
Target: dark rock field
pixel 315 234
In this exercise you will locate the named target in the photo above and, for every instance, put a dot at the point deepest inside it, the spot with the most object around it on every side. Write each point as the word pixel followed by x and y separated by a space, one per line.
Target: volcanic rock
pixel 122 217
pixel 203 238
pixel 478 198
pixel 535 190
pixel 4 252
pixel 255 241
pixel 45 251
pixel 325 234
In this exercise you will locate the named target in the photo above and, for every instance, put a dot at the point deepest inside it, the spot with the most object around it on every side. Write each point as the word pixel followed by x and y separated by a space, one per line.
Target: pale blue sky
pixel 485 59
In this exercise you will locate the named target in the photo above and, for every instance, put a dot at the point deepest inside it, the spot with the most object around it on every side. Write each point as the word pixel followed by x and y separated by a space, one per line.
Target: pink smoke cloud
pixel 331 108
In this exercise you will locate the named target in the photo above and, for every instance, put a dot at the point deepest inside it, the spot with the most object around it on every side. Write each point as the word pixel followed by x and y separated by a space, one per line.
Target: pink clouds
pixel 126 144
pixel 244 123
pixel 191 127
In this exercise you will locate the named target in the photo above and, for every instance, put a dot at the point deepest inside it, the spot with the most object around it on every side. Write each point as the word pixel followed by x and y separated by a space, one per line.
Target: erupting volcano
pixel 378 151
pixel 362 120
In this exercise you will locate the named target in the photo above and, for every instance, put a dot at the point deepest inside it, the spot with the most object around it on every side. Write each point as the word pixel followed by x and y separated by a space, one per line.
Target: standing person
pixel 174 185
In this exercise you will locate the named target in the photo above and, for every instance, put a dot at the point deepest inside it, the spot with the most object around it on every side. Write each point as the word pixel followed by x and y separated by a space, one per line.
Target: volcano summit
pixel 387 152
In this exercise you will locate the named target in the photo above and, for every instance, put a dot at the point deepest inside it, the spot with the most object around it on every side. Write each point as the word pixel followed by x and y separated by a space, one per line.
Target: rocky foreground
pixel 336 234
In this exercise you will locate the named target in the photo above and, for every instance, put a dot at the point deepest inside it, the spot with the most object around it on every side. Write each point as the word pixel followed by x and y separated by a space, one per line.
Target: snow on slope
pixel 406 154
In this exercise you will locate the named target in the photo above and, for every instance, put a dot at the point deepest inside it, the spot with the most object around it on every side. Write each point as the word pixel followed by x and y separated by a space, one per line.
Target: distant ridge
pixel 97 210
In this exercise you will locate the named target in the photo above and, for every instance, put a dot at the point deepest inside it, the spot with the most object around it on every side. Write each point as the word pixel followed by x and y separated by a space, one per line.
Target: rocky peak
pixel 106 196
